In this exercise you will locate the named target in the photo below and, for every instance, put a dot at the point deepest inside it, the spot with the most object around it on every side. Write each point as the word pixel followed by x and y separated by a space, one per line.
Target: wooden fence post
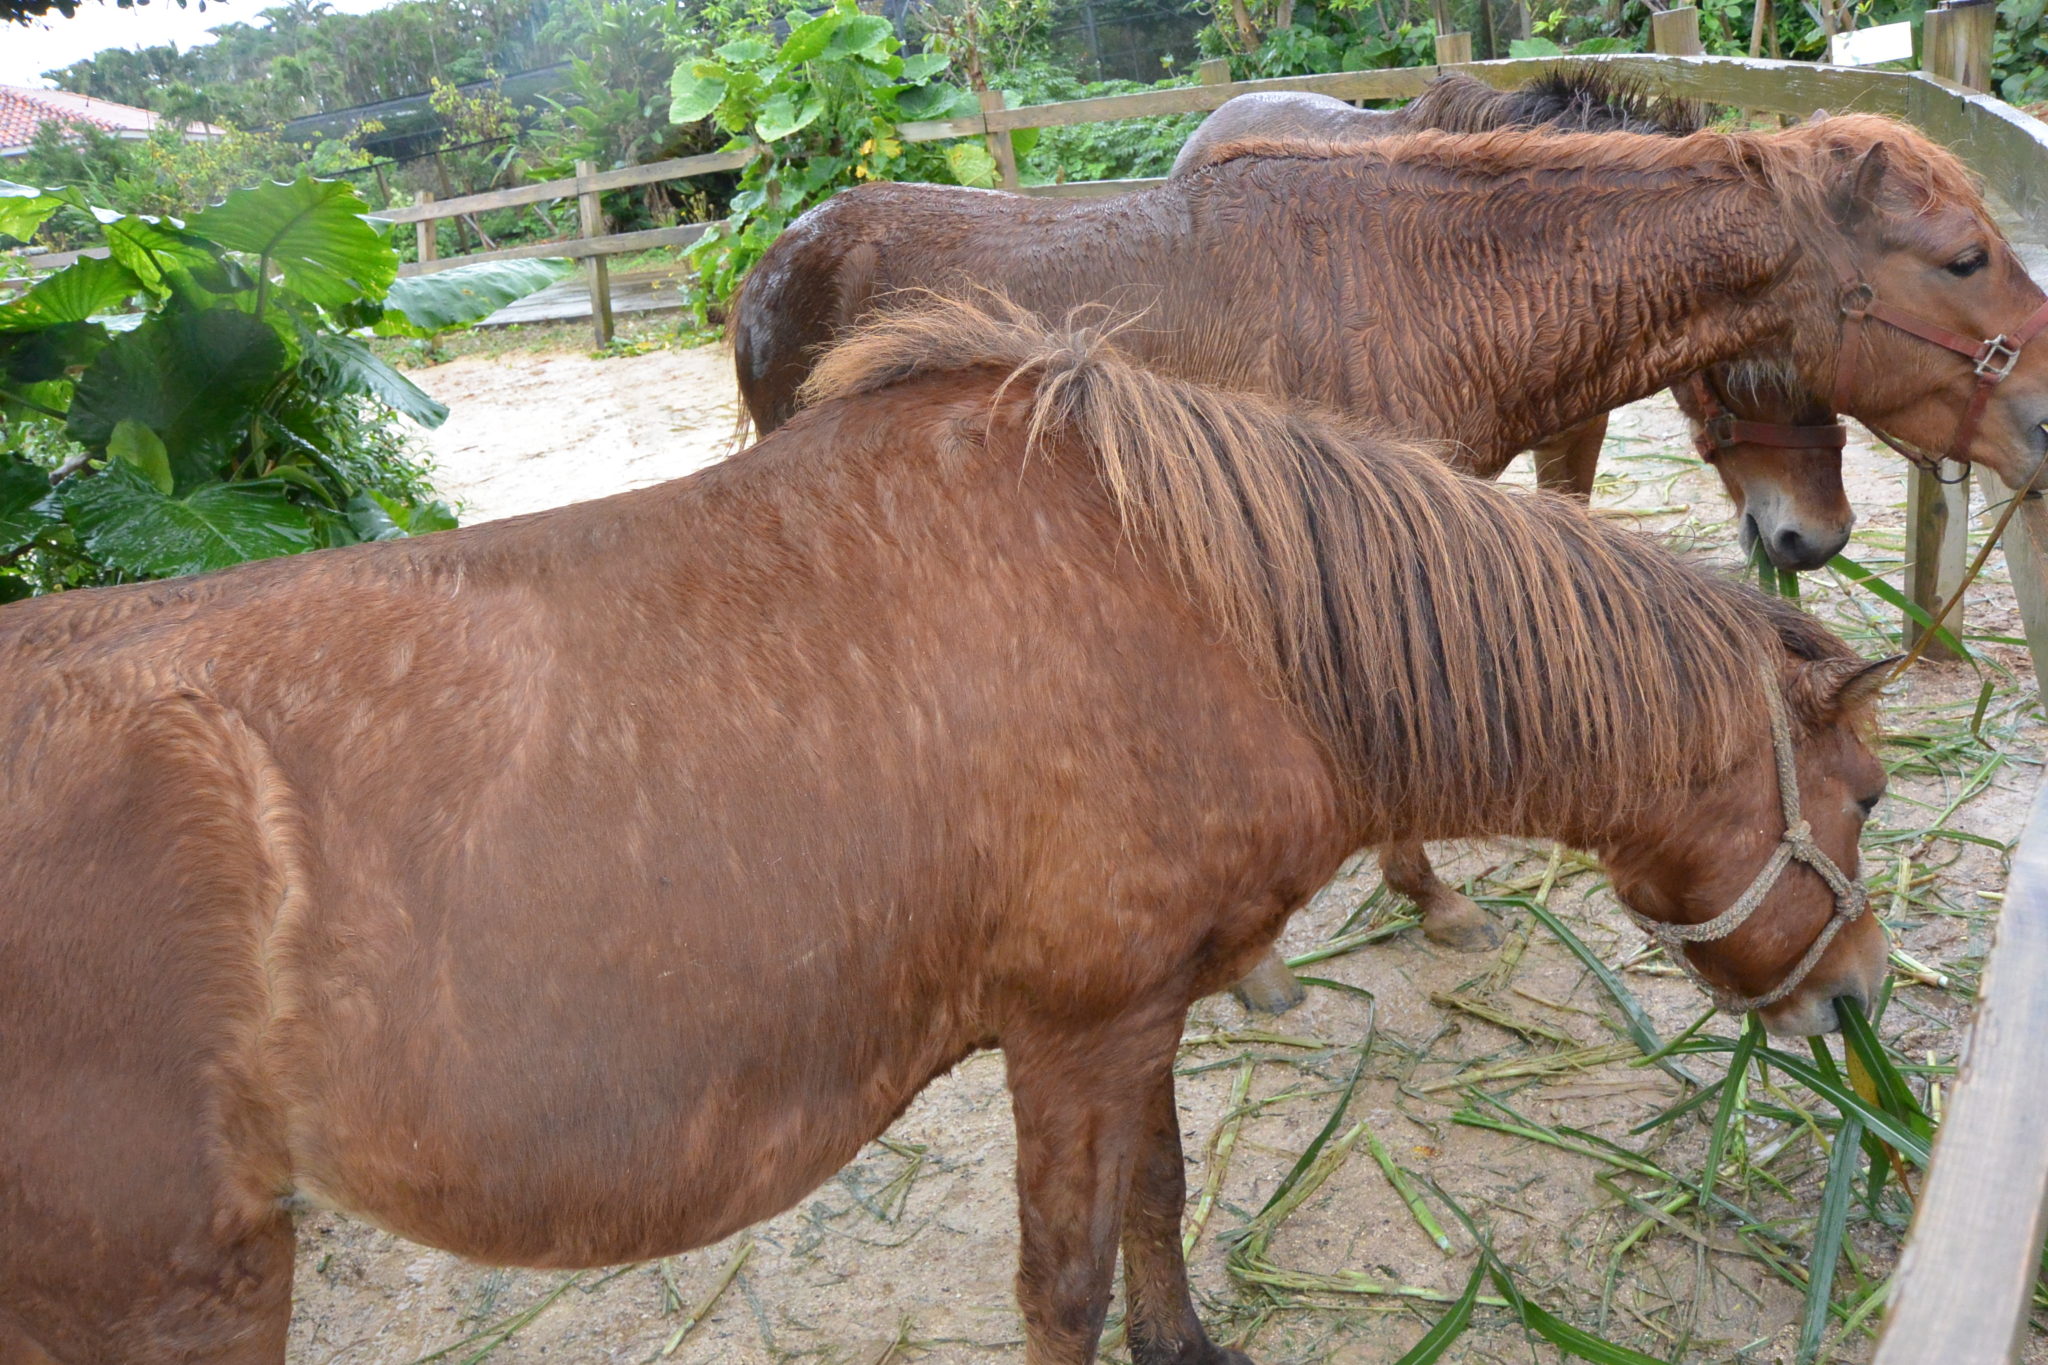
pixel 423 231
pixel 1676 32
pixel 1453 48
pixel 596 272
pixel 1938 507
pixel 1212 71
pixel 999 145
pixel 1966 1278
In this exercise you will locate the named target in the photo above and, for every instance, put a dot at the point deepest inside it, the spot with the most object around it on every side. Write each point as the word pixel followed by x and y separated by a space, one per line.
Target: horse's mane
pixel 1458 645
pixel 1585 100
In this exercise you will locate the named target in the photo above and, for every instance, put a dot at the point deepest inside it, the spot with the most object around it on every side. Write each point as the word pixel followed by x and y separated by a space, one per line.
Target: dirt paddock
pixel 907 1256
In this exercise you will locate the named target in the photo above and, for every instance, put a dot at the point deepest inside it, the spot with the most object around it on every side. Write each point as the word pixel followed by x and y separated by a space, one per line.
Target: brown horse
pixel 1482 291
pixel 1784 474
pixel 1011 697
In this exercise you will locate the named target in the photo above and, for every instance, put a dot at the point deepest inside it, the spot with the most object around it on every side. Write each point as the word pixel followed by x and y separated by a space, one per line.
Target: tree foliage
pixel 199 396
pixel 822 106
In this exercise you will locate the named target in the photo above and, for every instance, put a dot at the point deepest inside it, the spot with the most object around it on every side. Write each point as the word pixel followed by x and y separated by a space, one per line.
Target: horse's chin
pixel 1801 1018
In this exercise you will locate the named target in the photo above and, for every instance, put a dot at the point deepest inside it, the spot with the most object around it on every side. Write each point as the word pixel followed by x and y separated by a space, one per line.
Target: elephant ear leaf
pixel 128 523
pixel 81 290
pixel 313 232
pixel 421 305
pixel 194 379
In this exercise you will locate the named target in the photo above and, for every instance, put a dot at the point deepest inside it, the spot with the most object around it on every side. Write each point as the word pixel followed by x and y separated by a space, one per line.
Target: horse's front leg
pixel 1565 463
pixel 1087 1134
pixel 1163 1327
pixel 1448 917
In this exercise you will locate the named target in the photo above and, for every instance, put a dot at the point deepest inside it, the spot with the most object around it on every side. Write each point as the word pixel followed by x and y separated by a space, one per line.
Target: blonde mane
pixel 1458 645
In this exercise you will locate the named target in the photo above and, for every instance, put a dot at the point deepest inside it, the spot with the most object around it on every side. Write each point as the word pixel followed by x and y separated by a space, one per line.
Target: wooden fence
pixel 1967 1276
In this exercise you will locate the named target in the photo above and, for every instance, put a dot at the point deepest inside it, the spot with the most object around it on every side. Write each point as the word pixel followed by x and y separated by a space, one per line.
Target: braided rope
pixel 1797 845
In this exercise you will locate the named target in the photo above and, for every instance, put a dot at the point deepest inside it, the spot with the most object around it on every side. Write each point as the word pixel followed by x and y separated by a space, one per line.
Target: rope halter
pixel 1797 845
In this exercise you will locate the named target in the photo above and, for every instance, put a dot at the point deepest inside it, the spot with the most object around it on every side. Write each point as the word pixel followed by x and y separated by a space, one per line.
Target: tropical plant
pixel 821 109
pixel 236 413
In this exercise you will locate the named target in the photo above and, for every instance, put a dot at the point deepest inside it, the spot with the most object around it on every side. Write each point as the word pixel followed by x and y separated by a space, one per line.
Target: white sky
pixel 55 41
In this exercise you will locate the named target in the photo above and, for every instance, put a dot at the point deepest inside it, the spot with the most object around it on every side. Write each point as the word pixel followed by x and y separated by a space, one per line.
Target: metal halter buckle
pixel 1720 430
pixel 1862 294
pixel 1997 358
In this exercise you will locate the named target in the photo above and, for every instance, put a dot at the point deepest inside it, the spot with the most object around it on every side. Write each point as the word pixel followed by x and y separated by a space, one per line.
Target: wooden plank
pixel 1676 32
pixel 613 244
pixel 1453 49
pixel 1000 146
pixel 1967 1274
pixel 426 231
pixel 1937 547
pixel 678 168
pixel 597 272
pixel 1091 189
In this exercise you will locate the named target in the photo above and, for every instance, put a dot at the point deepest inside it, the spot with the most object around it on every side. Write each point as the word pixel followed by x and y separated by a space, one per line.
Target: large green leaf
pixel 373 516
pixel 695 91
pixel 158 252
pixel 142 449
pixel 743 51
pixel 426 304
pixel 971 165
pixel 23 489
pixel 23 209
pixel 128 525
pixel 782 115
pixel 313 231
pixel 923 66
pixel 194 378
pixel 862 35
pixel 807 41
pixel 348 366
pixel 88 286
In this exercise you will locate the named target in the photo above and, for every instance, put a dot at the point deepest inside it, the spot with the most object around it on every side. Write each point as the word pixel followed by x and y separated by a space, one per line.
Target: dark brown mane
pixel 1315 545
pixel 1585 100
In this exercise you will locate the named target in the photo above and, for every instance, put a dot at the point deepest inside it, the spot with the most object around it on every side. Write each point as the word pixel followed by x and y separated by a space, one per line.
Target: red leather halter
pixel 1721 430
pixel 1992 360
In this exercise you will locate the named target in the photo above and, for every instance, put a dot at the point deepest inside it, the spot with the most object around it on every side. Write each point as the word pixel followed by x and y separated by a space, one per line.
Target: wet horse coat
pixel 582 887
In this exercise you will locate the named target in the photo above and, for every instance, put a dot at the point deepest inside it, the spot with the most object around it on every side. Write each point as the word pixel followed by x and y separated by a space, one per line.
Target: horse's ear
pixel 1858 204
pixel 1817 116
pixel 1828 689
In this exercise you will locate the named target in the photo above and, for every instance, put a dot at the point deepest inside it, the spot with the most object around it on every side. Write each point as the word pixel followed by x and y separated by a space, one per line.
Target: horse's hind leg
pixel 1084 1145
pixel 1163 1327
pixel 1448 918
pixel 1565 463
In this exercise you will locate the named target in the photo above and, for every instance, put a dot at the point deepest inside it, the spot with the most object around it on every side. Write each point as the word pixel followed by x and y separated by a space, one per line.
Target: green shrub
pixel 236 414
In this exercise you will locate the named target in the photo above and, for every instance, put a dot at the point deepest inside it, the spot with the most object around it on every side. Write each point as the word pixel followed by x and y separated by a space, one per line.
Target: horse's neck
pixel 1655 284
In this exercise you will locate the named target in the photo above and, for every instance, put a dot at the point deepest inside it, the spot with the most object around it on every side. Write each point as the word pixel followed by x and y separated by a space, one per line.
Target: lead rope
pixel 1851 899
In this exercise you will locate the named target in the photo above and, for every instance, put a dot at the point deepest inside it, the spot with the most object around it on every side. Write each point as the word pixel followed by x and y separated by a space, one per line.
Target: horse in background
pixel 1027 690
pixel 1778 453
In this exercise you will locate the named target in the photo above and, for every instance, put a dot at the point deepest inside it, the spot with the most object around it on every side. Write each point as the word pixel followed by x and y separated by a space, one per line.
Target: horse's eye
pixel 1869 804
pixel 1969 263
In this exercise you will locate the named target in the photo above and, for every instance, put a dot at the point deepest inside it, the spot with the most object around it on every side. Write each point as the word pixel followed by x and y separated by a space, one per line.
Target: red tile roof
pixel 24 108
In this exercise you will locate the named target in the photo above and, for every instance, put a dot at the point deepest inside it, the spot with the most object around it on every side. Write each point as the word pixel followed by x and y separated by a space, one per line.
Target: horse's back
pixel 1279 114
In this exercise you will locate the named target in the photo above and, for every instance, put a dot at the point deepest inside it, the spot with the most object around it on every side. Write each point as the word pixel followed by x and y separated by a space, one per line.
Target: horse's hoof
pixel 1455 922
pixel 1269 988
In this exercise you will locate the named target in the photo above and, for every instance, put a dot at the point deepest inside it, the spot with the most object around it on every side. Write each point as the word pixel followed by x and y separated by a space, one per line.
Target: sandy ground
pixel 908 1254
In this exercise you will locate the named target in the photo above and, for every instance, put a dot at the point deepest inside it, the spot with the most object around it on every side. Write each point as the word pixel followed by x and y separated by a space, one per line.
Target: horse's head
pixel 1753 889
pixel 1928 310
pixel 1778 451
